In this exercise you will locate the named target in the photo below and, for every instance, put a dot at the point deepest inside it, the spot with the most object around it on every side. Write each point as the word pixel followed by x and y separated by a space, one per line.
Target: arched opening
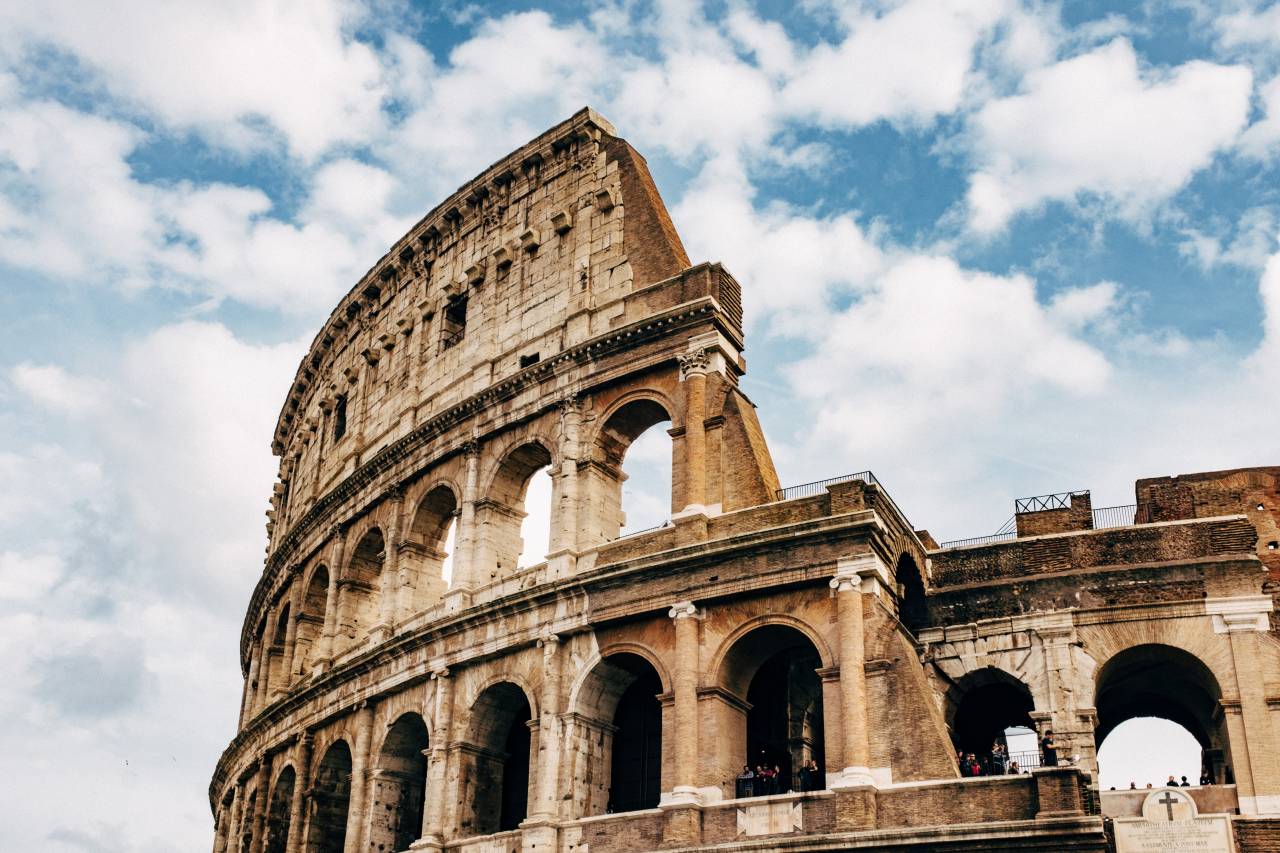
pixel 619 736
pixel 630 486
pixel 248 816
pixel 278 812
pixel 330 797
pixel 504 540
pixel 311 619
pixel 913 607
pixel 986 710
pixel 1166 683
pixel 1147 751
pixel 399 786
pixel 496 761
pixel 278 679
pixel 428 546
pixel 782 732
pixel 360 599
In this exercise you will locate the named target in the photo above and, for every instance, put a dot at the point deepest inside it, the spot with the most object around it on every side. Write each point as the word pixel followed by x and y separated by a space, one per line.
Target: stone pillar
pixel 357 817
pixel 549 730
pixel 250 689
pixel 685 615
pixel 693 378
pixel 565 522
pixel 301 784
pixel 437 765
pixel 338 536
pixel 265 656
pixel 233 824
pixel 291 631
pixel 389 582
pixel 853 680
pixel 1255 753
pixel 464 580
pixel 260 809
pixel 220 829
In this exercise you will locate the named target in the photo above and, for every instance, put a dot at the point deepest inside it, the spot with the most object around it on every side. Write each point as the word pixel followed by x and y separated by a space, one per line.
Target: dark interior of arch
pixel 434 515
pixel 1159 681
pixel 278 812
pixel 914 607
pixel 989 702
pixel 282 626
pixel 331 795
pixel 635 772
pixel 399 790
pixel 366 562
pixel 785 723
pixel 317 592
pixel 500 781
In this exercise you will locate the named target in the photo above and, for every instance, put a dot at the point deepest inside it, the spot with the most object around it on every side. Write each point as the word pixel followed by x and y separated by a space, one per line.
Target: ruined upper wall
pixel 536 254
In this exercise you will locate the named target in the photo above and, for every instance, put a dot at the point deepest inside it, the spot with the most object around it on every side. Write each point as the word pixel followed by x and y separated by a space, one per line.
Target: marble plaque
pixel 770 818
pixel 1170 823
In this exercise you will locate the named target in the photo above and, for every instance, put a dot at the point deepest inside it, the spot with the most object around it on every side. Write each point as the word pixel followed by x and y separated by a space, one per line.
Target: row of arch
pixel 619 723
pixel 444 536
pixel 1148 680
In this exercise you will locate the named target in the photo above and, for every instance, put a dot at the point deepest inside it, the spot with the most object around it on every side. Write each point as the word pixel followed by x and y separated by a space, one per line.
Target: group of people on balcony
pixel 765 780
pixel 998 762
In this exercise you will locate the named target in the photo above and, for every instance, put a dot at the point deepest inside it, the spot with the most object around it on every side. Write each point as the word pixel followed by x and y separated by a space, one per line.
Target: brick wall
pixel 634 831
pixel 1257 835
pixel 1078 515
pixel 962 801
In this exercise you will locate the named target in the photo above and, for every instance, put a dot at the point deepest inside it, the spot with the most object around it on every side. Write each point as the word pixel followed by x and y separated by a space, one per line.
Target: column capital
pixel 695 362
pixel 548 640
pixel 1239 613
pixel 471 447
pixel 440 674
pixel 684 610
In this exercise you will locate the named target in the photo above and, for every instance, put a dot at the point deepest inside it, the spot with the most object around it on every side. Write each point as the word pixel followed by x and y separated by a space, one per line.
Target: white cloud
pixel 1098 124
pixel 910 63
pixel 1248 243
pixel 1262 138
pixel 54 388
pixel 224 68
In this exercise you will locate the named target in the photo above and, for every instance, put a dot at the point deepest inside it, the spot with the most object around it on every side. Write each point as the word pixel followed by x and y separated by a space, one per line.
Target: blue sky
pixel 988 248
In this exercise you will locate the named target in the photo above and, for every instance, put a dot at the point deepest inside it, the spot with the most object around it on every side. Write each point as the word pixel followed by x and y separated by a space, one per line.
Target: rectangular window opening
pixel 453 325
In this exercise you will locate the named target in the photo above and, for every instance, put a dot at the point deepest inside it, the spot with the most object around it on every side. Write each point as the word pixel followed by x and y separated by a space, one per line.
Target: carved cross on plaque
pixel 1169 801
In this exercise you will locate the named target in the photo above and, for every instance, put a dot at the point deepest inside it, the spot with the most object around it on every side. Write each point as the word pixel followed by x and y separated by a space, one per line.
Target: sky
pixel 989 249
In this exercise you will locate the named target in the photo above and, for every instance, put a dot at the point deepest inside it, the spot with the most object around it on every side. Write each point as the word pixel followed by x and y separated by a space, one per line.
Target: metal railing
pixel 979 540
pixel 1039 503
pixel 1115 516
pixel 817 487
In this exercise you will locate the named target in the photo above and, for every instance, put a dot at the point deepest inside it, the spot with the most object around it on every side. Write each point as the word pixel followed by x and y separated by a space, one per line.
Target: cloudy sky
pixel 989 249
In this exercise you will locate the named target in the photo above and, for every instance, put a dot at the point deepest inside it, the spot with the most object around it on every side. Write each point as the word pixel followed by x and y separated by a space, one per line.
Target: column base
pixel 850 778
pixel 681 796
pixel 539 834
pixel 427 844
pixel 456 600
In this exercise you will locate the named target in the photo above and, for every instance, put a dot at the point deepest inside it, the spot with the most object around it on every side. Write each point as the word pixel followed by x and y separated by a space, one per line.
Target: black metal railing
pixel 1115 516
pixel 979 540
pixel 1025 760
pixel 1039 503
pixel 817 487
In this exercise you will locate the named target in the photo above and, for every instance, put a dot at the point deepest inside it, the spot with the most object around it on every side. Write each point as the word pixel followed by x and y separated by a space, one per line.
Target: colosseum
pixel 409 684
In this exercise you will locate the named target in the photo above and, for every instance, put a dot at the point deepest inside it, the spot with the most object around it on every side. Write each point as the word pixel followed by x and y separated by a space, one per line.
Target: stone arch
pixel 423 552
pixel 769 702
pixel 360 586
pixel 913 605
pixel 331 798
pixel 617 648
pixel 981 705
pixel 783 619
pixel 399 784
pixel 310 617
pixel 622 422
pixel 278 810
pixel 617 732
pixel 1168 682
pixel 501 510
pixel 496 759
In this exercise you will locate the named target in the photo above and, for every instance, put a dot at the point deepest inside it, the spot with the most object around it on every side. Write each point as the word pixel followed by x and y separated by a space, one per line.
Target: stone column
pixel 389 582
pixel 464 581
pixel 685 689
pixel 693 378
pixel 324 657
pixel 565 522
pixel 233 824
pixel 250 689
pixel 437 764
pixel 301 784
pixel 357 817
pixel 853 683
pixel 260 806
pixel 264 672
pixel 220 829
pixel 548 731
pixel 1255 753
pixel 291 630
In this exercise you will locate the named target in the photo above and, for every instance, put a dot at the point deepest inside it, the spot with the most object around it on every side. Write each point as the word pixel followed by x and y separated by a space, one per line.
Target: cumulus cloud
pixel 53 387
pixel 239 71
pixel 1262 138
pixel 1098 124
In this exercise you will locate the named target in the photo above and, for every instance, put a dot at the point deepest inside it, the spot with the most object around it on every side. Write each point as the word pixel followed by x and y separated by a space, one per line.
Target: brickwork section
pixel 1254 835
pixel 968 801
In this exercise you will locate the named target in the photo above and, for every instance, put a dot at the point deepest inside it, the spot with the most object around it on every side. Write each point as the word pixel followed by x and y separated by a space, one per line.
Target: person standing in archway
pixel 1048 750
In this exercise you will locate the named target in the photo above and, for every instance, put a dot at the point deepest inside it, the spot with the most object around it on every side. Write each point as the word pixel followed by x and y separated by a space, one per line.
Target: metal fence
pixel 1059 500
pixel 817 487
pixel 979 540
pixel 1114 516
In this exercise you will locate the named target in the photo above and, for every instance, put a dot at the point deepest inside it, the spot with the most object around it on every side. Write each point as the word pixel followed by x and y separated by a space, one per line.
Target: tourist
pixel 975 769
pixel 998 760
pixel 746 781
pixel 1205 778
pixel 1172 783
pixel 758 784
pixel 1048 750
pixel 776 779
pixel 1014 769
pixel 1185 783
pixel 1133 786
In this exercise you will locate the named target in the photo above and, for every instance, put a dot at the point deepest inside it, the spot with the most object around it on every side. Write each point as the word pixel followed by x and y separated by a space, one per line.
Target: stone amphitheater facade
pixel 606 698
